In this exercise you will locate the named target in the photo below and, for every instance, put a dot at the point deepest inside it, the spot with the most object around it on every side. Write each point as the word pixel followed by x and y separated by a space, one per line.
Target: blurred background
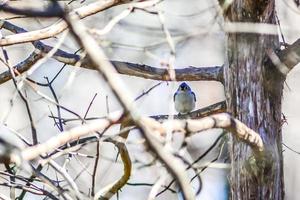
pixel 196 32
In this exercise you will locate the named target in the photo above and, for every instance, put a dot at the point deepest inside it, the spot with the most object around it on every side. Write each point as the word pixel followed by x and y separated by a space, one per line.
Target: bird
pixel 184 99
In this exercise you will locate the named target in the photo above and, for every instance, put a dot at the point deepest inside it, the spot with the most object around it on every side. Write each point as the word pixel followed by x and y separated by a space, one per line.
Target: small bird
pixel 184 99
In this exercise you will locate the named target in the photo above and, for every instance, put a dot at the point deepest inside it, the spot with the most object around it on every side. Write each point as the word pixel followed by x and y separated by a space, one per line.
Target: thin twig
pixel 94 176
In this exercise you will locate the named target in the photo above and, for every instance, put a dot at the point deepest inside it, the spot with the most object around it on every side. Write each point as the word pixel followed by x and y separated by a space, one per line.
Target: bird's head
pixel 184 87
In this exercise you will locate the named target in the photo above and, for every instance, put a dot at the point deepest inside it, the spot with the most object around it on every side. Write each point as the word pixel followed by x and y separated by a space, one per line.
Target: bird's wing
pixel 174 96
pixel 194 95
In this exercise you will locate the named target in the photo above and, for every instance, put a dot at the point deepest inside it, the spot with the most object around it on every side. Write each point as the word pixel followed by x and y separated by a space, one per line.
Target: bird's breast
pixel 184 102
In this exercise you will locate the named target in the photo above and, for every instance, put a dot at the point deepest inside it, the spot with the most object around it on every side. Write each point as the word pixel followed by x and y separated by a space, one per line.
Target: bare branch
pixel 140 70
pixel 126 68
pixel 188 74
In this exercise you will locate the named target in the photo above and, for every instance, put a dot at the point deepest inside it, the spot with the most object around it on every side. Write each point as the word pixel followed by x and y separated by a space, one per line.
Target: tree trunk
pixel 253 88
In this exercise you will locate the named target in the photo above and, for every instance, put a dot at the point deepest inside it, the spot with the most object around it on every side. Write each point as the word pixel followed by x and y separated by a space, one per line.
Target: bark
pixel 253 94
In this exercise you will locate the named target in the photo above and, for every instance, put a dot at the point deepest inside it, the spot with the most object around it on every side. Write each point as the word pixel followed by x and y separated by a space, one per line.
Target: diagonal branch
pixel 100 61
pixel 60 26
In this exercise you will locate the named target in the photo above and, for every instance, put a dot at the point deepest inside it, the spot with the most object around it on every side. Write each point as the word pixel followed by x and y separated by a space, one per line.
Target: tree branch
pixel 186 74
pixel 140 70
pixel 126 68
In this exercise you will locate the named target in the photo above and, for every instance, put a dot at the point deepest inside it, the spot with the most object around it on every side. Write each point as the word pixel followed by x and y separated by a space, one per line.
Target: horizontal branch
pixel 290 56
pixel 132 69
pixel 57 28
pixel 185 74
pixel 126 68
